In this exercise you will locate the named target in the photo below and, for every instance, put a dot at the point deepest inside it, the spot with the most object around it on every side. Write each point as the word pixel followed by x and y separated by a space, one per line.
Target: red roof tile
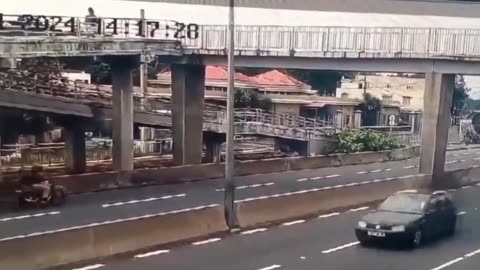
pixel 276 77
pixel 215 73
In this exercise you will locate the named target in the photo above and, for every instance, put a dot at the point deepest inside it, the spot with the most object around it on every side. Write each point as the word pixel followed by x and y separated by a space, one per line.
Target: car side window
pixel 442 202
pixel 432 205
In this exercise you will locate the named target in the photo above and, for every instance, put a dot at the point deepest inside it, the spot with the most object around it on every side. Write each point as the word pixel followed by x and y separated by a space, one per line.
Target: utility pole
pixel 229 202
pixel 143 77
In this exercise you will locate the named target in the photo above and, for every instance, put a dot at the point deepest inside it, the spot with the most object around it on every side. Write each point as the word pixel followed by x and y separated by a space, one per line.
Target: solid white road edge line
pixel 445 265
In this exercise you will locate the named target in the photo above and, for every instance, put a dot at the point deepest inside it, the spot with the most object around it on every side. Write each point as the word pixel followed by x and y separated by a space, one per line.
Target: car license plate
pixel 376 234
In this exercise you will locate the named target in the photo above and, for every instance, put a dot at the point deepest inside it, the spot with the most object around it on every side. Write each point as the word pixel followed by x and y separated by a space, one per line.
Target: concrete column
pixel 437 103
pixel 188 88
pixel 357 118
pixel 122 122
pixel 75 149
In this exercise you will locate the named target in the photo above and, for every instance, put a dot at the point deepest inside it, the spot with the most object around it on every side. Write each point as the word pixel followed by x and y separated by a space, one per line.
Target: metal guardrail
pixel 282 40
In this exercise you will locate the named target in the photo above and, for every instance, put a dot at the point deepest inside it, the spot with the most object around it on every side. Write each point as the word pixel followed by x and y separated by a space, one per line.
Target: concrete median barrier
pixel 268 209
pixel 56 248
pixel 263 166
pixel 173 175
pixel 458 178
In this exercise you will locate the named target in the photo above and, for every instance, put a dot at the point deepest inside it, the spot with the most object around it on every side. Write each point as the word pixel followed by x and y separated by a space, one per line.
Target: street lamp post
pixel 229 203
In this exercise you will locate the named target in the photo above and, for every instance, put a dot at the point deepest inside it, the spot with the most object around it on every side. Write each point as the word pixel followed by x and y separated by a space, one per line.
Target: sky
pixel 246 16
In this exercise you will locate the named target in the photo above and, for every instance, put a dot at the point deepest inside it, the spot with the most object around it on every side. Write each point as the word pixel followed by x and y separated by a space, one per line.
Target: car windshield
pixel 406 203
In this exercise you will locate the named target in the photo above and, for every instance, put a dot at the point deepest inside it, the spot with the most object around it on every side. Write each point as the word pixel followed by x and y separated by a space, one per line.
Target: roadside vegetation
pixel 351 141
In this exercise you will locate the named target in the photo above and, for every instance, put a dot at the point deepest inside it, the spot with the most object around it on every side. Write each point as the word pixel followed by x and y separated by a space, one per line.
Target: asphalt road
pixel 326 242
pixel 91 208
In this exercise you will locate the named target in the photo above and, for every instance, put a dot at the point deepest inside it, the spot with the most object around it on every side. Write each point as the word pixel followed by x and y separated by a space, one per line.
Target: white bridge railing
pixel 291 40
pixel 279 40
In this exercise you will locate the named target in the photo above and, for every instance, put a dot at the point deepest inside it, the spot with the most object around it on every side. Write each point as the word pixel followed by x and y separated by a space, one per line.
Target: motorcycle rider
pixel 36 180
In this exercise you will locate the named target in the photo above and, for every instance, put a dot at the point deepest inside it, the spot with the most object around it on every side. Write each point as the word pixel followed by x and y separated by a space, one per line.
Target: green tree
pixel 245 98
pixel 370 108
pixel 325 82
pixel 460 96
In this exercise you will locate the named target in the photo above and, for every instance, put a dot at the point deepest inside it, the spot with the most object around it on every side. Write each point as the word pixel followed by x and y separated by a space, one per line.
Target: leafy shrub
pixel 350 141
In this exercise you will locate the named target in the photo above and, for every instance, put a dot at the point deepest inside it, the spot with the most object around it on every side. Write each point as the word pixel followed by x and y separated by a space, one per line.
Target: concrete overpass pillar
pixel 188 88
pixel 436 121
pixel 75 149
pixel 122 119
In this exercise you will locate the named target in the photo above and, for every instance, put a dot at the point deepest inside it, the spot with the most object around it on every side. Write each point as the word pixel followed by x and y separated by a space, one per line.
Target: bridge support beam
pixel 75 149
pixel 436 121
pixel 188 89
pixel 122 122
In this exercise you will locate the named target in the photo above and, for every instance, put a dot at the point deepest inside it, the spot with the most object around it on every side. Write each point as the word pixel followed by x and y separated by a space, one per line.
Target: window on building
pixel 406 101
pixel 409 87
pixel 360 86
pixel 388 85
pixel 344 95
pixel 387 98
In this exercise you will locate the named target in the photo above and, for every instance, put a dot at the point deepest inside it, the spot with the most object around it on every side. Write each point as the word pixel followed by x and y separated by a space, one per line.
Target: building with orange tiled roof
pixel 287 94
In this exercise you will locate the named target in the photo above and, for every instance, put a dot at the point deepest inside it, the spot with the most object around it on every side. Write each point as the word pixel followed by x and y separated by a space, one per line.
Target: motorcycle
pixel 33 196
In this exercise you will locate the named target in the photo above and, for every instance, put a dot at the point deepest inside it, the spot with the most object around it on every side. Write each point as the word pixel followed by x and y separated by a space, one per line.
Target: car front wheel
pixel 417 238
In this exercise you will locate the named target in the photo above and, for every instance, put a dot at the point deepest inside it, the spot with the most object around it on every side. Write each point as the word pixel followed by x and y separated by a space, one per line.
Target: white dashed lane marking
pixel 153 253
pixel 293 222
pixel 328 215
pixel 374 171
pixel 340 247
pixel 90 267
pixel 29 216
pixel 318 178
pixel 254 231
pixel 206 241
pixel 250 186
pixel 271 267
pixel 143 200
pixel 461 213
pixel 358 209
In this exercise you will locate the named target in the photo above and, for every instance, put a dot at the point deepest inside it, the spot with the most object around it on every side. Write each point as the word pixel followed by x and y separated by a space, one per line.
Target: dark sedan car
pixel 409 217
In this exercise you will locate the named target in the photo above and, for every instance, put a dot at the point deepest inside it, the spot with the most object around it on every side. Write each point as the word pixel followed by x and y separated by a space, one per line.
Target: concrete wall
pixel 279 108
pixel 100 240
